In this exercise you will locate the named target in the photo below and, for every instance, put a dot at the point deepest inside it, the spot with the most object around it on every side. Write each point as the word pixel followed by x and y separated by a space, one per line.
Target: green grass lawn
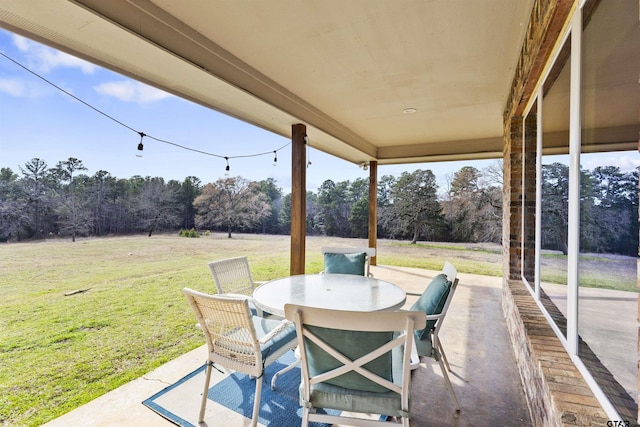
pixel 58 352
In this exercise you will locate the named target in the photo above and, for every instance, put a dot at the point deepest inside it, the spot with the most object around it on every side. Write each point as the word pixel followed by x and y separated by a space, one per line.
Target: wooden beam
pixel 298 198
pixel 373 209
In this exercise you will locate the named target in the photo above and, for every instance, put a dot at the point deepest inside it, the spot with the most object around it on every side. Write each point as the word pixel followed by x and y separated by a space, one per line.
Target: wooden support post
pixel 373 209
pixel 298 198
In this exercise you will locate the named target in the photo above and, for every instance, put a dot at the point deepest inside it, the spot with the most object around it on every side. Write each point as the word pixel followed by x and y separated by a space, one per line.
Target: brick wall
pixel 512 201
pixel 556 390
pixel 557 393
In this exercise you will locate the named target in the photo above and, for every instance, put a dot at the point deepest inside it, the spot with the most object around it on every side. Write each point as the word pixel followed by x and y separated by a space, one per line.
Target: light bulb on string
pixel 226 170
pixel 275 158
pixel 140 145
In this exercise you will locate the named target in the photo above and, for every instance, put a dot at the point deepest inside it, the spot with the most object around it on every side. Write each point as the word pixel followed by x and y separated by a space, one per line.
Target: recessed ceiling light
pixel 409 110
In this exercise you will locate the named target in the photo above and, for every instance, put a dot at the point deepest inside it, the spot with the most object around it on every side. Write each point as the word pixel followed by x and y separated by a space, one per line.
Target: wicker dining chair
pixel 237 340
pixel 232 276
pixel 348 260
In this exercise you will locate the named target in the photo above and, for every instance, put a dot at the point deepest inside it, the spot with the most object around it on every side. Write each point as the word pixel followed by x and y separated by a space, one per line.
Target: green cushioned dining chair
pixel 355 362
pixel 434 302
pixel 342 260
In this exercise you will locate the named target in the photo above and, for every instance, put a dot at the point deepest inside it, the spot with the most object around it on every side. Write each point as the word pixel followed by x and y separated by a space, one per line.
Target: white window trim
pixel 575 130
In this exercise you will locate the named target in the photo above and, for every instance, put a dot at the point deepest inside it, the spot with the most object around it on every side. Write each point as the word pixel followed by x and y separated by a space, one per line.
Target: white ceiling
pixel 346 69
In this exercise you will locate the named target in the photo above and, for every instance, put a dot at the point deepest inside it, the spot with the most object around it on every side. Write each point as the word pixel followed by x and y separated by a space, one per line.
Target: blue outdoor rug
pixel 180 402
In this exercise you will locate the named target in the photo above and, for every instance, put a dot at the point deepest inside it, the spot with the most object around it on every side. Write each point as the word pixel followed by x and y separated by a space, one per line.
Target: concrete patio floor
pixel 474 335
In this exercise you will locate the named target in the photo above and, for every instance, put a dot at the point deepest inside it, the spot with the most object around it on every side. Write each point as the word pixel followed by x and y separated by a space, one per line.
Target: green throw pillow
pixel 432 301
pixel 345 263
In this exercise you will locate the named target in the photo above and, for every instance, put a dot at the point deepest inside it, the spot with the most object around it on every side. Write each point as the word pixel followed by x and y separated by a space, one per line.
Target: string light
pixel 275 158
pixel 306 141
pixel 226 170
pixel 142 134
pixel 140 146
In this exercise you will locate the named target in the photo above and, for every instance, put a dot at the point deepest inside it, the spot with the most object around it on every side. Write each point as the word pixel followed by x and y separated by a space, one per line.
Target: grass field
pixel 58 352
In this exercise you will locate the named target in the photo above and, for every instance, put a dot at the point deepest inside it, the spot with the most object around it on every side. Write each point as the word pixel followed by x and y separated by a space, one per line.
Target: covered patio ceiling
pixel 392 81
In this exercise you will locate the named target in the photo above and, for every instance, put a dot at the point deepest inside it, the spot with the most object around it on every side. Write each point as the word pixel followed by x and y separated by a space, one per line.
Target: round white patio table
pixel 333 291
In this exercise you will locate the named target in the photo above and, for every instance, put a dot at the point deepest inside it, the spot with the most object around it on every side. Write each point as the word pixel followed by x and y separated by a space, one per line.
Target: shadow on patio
pixel 474 334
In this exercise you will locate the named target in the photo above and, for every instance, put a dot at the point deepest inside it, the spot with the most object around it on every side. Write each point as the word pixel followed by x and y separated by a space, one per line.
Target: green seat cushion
pixel 424 346
pixel 345 263
pixel 352 344
pixel 432 301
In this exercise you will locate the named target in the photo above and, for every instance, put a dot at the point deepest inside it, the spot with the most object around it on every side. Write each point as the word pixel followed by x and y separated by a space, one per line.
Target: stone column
pixel 512 200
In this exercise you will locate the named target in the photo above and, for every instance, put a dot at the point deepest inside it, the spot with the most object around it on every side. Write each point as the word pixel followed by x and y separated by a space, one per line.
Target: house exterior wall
pixel 557 392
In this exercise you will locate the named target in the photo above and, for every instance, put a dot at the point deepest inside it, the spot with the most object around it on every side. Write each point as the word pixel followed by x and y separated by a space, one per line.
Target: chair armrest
pixel 413 294
pixel 284 324
pixel 435 316
pixel 429 316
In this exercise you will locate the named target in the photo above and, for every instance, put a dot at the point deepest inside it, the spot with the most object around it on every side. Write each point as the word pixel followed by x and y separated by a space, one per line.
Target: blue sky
pixel 38 120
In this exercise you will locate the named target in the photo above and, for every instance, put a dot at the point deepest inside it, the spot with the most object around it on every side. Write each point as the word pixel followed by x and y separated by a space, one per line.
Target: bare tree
pixel 494 173
pixel 473 205
pixel 98 192
pixel 231 203
pixel 158 206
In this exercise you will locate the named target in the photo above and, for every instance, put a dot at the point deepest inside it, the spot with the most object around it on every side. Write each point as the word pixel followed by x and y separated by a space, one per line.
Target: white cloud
pixel 626 161
pixel 23 88
pixel 131 91
pixel 13 87
pixel 44 59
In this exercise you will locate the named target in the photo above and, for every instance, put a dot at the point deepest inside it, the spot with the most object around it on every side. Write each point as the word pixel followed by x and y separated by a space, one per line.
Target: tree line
pixel 608 209
pixel 46 201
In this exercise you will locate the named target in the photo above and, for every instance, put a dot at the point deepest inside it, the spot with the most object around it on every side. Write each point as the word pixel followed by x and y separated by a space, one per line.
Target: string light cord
pixel 213 154
pixel 142 134
pixel 66 92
